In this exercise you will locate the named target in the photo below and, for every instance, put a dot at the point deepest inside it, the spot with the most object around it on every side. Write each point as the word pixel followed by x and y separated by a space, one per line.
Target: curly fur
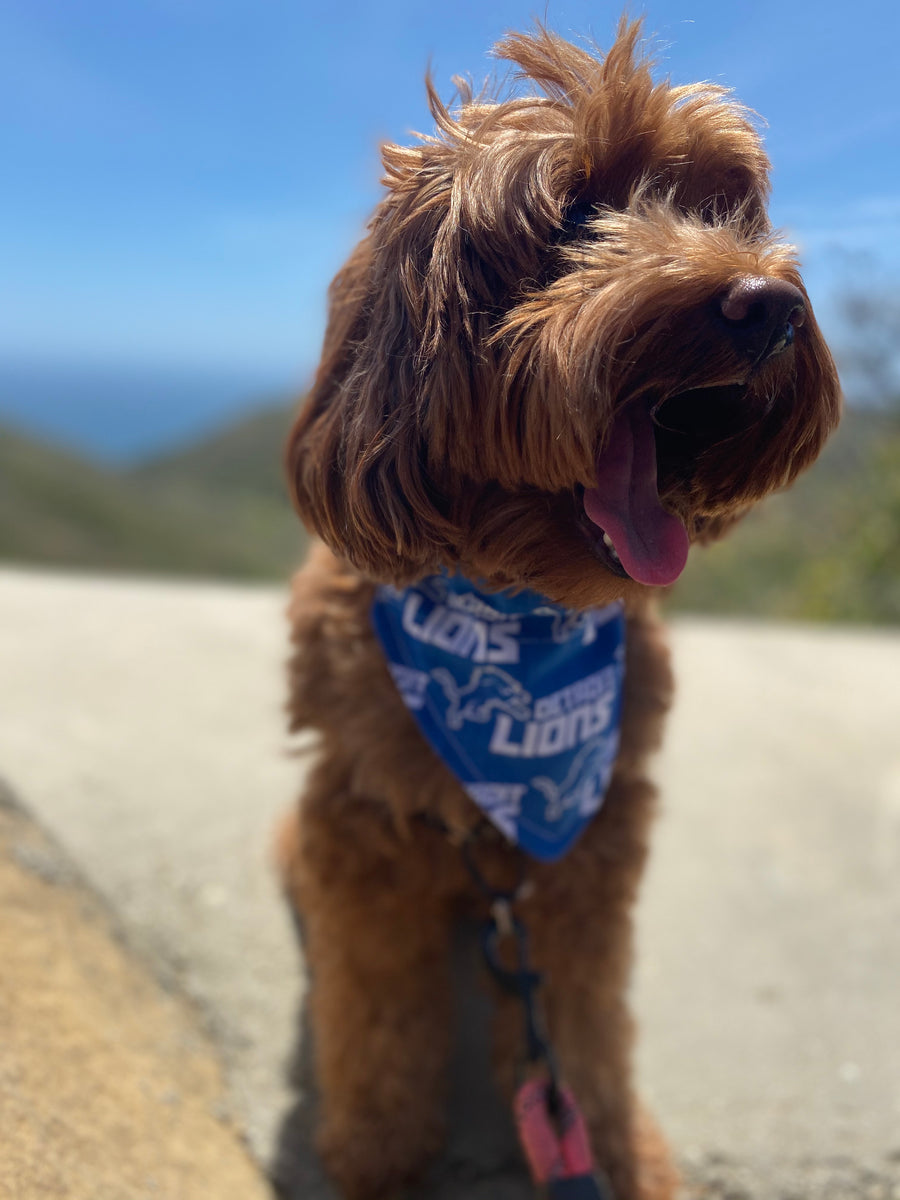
pixel 539 265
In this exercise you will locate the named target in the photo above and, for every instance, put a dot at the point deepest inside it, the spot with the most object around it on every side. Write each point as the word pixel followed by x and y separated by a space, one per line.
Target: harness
pixel 522 700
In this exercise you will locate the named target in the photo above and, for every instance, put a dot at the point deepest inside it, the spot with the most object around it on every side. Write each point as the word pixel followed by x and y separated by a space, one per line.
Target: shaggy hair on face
pixel 569 346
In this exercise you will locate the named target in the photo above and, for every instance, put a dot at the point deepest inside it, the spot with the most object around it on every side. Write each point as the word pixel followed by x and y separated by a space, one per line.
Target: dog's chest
pixel 520 698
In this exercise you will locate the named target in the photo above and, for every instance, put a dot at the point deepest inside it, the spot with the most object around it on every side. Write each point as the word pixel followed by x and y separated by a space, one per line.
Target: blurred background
pixel 184 177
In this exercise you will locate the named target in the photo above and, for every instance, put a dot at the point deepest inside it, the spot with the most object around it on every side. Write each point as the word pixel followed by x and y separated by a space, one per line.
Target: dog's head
pixel 570 344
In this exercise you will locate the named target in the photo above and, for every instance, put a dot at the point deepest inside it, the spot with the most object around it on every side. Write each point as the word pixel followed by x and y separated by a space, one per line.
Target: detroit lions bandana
pixel 521 698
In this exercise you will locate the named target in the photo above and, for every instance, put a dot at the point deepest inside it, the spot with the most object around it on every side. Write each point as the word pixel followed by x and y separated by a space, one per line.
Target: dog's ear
pixel 356 458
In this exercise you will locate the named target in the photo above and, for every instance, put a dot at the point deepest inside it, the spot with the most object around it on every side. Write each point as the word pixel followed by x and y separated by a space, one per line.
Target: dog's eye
pixel 576 218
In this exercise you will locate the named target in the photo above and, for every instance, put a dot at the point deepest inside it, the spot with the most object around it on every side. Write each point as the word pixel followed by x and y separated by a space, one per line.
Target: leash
pixel 551 1128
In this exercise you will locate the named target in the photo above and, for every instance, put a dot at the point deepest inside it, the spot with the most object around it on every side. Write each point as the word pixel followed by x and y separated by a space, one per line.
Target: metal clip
pixel 502 915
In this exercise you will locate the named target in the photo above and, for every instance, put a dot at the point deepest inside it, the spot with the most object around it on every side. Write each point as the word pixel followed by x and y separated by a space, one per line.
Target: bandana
pixel 521 698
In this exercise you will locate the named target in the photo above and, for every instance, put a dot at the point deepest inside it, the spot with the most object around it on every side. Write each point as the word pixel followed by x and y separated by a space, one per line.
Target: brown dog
pixel 569 346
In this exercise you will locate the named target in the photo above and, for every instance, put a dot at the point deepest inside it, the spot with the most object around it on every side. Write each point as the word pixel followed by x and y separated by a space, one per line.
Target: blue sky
pixel 183 177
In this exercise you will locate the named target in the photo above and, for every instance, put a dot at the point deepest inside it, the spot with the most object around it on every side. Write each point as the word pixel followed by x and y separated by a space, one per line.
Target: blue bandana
pixel 522 699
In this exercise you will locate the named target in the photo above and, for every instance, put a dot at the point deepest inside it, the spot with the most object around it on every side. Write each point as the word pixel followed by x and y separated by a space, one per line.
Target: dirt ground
pixel 109 1088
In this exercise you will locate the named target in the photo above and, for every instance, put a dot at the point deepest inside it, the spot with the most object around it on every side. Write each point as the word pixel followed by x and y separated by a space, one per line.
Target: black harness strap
pixel 523 981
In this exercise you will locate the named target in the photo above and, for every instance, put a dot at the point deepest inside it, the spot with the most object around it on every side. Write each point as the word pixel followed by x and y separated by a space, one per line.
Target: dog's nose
pixel 761 314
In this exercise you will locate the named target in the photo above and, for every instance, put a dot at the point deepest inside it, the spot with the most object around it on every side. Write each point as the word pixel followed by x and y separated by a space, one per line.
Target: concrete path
pixel 140 724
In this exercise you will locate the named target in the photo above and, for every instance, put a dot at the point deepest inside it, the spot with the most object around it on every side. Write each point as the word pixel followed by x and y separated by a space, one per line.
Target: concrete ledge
pixel 141 723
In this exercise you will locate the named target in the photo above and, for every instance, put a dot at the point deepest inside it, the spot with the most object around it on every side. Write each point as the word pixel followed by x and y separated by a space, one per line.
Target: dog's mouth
pixel 652 448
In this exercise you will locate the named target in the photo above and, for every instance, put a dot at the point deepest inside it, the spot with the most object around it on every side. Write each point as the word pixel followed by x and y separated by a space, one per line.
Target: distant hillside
pixel 827 549
pixel 58 508
pixel 244 457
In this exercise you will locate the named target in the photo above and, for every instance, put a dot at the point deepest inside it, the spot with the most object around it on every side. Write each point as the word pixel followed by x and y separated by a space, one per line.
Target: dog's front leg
pixel 376 943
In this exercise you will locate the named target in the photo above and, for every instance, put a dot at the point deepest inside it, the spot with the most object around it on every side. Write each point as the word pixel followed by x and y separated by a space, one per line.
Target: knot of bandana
pixel 521 698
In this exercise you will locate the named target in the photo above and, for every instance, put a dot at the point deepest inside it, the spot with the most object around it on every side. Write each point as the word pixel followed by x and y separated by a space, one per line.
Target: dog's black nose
pixel 761 314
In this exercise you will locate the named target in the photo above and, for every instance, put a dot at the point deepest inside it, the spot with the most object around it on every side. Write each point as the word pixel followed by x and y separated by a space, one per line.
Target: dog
pixel 569 347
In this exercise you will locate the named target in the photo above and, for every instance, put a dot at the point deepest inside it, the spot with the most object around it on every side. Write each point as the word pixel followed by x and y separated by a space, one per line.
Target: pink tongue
pixel 651 543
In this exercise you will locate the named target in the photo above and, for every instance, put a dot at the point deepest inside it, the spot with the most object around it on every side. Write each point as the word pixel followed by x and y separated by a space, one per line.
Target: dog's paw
pixel 657 1178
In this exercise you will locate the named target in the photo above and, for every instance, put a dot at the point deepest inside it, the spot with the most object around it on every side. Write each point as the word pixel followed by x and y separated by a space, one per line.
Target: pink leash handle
pixel 556 1144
